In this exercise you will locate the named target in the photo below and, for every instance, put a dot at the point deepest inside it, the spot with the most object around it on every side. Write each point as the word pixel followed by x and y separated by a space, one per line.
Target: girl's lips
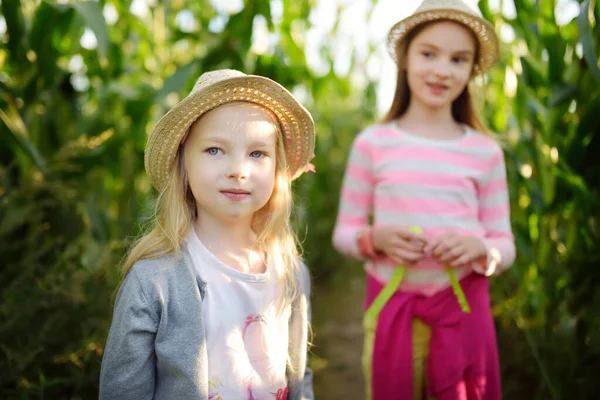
pixel 438 85
pixel 235 194
pixel 437 88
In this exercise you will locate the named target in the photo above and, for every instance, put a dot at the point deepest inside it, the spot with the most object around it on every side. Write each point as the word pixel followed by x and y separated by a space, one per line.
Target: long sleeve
pixel 299 376
pixel 356 197
pixel 128 364
pixel 494 215
pixel 307 381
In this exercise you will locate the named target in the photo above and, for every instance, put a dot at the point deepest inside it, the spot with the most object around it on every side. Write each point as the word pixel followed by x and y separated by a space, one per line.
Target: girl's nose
pixel 238 169
pixel 443 70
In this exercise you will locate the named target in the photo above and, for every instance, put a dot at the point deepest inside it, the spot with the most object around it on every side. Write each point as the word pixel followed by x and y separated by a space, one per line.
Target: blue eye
pixel 213 151
pixel 256 154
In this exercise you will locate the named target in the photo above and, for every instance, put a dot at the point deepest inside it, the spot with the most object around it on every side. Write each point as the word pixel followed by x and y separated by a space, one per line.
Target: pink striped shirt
pixel 454 185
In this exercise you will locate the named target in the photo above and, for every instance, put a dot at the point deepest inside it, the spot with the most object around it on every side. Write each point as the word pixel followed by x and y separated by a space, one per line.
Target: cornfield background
pixel 73 127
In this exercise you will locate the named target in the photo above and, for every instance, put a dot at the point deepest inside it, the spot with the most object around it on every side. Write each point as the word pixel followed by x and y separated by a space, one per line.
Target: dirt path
pixel 337 323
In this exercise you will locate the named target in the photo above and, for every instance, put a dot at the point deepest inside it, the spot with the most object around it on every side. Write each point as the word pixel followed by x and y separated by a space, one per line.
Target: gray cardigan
pixel 156 346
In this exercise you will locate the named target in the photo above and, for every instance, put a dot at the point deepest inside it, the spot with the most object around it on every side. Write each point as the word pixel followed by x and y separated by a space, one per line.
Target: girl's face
pixel 230 159
pixel 439 64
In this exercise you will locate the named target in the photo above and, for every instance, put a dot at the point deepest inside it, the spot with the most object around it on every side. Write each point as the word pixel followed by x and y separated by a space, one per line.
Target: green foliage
pixel 547 305
pixel 72 182
pixel 57 280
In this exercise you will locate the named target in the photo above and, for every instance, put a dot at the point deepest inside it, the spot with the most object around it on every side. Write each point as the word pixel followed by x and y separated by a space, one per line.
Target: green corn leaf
pixel 13 121
pixel 562 93
pixel 15 26
pixel 587 39
pixel 176 82
pixel 92 14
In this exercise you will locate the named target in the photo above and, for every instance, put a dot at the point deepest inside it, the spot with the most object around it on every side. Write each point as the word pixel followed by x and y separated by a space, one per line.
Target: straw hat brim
pixel 489 53
pixel 296 123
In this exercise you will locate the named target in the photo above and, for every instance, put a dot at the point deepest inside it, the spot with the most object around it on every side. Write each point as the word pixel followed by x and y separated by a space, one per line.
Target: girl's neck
pixel 234 243
pixel 430 123
pixel 234 235
pixel 435 116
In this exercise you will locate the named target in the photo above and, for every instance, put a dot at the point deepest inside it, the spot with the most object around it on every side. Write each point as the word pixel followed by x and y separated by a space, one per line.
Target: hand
pixel 456 250
pixel 399 243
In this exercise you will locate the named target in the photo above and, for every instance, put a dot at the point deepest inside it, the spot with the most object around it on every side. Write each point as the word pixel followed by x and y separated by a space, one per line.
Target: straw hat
pixel 453 10
pixel 216 88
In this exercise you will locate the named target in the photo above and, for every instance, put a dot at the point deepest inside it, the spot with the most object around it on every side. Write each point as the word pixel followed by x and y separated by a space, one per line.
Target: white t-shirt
pixel 247 340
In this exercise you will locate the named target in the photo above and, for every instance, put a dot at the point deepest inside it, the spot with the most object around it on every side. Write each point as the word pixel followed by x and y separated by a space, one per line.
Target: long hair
pixel 175 212
pixel 464 109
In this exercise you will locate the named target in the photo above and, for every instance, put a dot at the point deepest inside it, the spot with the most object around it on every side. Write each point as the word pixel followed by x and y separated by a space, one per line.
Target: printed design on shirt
pixel 214 382
pixel 250 395
pixel 250 319
pixel 260 347
pixel 258 344
pixel 280 395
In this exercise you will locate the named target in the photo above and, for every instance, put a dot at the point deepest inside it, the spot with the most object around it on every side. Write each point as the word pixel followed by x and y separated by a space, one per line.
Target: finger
pixel 420 244
pixel 428 247
pixel 447 245
pixel 409 235
pixel 453 253
pixel 408 246
pixel 436 242
pixel 406 257
pixel 409 256
pixel 465 258
pixel 441 249
pixel 454 241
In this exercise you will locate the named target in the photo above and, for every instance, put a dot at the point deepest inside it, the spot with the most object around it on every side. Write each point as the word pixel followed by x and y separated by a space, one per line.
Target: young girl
pixel 435 183
pixel 214 302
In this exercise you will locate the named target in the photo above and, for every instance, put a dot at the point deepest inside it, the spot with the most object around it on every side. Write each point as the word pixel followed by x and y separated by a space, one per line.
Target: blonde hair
pixel 464 109
pixel 175 212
